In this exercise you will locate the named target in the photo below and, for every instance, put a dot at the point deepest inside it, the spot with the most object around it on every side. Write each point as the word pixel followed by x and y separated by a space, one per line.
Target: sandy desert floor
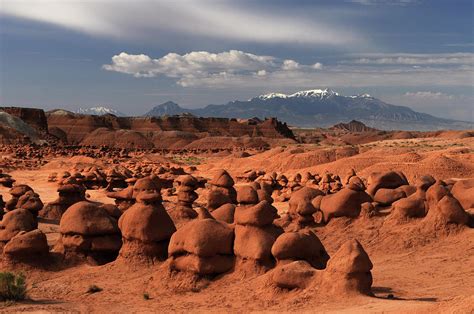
pixel 417 268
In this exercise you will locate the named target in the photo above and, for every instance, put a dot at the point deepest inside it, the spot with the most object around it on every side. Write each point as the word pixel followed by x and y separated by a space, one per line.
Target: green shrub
pixel 12 287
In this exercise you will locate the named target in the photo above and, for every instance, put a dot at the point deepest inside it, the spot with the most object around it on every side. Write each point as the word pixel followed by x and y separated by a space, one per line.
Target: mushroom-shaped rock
pixel 87 230
pixel 261 214
pixel 147 184
pixel 123 198
pixel 294 275
pixel 203 247
pixel 355 183
pixel 225 213
pixel 221 191
pixel 348 271
pixel 16 192
pixel 386 197
pixel 255 243
pixel 301 208
pixel 345 203
pixel 424 182
pixel 146 229
pixel 27 246
pixel 70 192
pixel 14 222
pixel 388 180
pixel 435 193
pixel 115 179
pixel 222 179
pixel 463 191
pixel 264 196
pixel 187 184
pixel 246 194
pixel 351 173
pixel 31 201
pixel 301 245
pixel 216 198
pixel 255 233
pixel 448 210
pixel 6 180
pixel 412 206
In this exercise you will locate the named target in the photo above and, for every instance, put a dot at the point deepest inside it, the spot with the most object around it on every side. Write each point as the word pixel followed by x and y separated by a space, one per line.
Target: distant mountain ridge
pixel 319 108
pixel 353 126
pixel 100 111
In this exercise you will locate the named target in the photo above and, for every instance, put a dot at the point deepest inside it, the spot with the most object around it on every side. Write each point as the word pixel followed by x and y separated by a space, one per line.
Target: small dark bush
pixel 12 287
pixel 94 289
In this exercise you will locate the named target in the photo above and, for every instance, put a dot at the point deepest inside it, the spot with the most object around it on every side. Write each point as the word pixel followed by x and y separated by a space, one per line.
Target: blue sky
pixel 133 55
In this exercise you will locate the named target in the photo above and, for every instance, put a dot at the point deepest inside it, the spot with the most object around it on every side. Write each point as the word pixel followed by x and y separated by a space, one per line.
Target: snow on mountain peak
pixel 99 111
pixel 320 93
pixel 272 95
pixel 311 93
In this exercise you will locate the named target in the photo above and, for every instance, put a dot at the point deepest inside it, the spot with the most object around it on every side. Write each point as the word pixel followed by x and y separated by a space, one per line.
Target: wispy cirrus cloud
pixel 461 58
pixel 386 2
pixel 221 19
pixel 429 95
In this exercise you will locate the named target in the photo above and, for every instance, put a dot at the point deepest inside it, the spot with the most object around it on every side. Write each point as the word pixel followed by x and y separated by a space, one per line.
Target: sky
pixel 133 55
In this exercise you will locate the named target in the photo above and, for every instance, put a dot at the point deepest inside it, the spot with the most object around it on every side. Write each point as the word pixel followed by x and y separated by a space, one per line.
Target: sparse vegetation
pixel 94 289
pixel 146 296
pixel 12 287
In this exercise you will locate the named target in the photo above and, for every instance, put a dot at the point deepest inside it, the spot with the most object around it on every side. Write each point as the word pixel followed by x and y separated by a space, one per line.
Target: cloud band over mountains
pixel 236 68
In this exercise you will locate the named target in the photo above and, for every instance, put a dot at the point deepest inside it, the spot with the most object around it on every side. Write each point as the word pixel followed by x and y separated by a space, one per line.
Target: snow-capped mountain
pixel 319 108
pixel 311 93
pixel 100 111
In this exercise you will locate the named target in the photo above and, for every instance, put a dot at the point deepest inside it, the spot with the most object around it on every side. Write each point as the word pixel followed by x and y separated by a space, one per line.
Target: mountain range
pixel 319 108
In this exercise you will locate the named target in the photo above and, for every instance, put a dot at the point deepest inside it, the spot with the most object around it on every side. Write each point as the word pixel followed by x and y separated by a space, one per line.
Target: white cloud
pixel 413 59
pixel 221 19
pixel 189 69
pixel 238 69
pixel 317 66
pixel 290 65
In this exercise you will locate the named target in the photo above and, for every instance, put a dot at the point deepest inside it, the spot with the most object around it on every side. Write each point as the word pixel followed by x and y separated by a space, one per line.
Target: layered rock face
pixel 144 132
pixel 34 117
